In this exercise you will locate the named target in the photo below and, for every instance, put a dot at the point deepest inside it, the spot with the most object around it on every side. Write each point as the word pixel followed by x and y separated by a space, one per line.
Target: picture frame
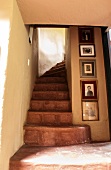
pixel 89 90
pixel 87 68
pixel 86 34
pixel 87 50
pixel 90 111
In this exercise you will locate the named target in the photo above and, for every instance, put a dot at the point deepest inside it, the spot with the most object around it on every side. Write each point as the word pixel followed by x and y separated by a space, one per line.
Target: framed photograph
pixel 89 90
pixel 86 35
pixel 87 68
pixel 87 50
pixel 90 110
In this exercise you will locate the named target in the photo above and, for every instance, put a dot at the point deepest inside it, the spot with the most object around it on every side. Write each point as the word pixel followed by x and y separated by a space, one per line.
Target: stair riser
pixel 61 74
pixel 59 68
pixel 50 95
pixel 50 106
pixel 51 87
pixel 56 136
pixel 97 166
pixel 51 80
pixel 50 118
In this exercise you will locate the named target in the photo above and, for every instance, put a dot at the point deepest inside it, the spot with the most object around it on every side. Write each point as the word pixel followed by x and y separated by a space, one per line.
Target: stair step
pixel 94 156
pixel 49 118
pixel 51 80
pixel 60 64
pixel 56 136
pixel 50 95
pixel 56 73
pixel 46 105
pixel 59 67
pixel 51 87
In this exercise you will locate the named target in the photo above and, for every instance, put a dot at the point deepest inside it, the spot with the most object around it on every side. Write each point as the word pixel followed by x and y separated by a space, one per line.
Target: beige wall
pixel 75 12
pixel 16 71
pixel 5 19
pixel 99 129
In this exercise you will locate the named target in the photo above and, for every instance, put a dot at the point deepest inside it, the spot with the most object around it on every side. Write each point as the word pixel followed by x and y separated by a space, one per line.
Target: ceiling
pixel 66 12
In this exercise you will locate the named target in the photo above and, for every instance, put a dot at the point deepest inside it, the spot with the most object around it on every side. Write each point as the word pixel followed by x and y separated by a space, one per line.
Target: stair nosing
pixel 30 125
pixel 68 100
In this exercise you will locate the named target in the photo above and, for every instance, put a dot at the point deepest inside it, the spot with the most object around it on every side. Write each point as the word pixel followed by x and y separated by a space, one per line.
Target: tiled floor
pixel 96 156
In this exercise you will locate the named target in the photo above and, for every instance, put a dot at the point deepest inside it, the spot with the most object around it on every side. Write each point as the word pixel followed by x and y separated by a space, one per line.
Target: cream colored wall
pixel 99 129
pixel 5 18
pixel 18 84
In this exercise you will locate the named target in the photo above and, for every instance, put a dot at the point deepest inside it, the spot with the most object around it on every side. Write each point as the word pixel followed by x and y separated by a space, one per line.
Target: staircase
pixel 49 119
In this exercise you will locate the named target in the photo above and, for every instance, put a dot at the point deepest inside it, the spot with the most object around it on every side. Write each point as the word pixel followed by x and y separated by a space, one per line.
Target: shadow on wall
pixel 51 47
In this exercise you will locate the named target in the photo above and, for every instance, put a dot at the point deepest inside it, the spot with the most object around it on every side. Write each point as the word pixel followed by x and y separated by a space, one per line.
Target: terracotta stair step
pixel 51 80
pixel 50 95
pixel 56 136
pixel 58 67
pixel 55 74
pixel 93 156
pixel 51 86
pixel 60 63
pixel 47 105
pixel 49 118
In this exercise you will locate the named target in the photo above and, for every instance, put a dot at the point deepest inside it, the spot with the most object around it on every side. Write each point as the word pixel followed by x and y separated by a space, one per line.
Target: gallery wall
pixel 99 124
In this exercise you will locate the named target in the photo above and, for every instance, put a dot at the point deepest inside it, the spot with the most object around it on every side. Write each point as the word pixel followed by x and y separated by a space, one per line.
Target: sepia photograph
pixel 89 90
pixel 90 110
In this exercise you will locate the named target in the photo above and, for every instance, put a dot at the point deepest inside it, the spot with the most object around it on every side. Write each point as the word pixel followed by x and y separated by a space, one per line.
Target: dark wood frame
pixel 86 35
pixel 84 85
pixel 87 50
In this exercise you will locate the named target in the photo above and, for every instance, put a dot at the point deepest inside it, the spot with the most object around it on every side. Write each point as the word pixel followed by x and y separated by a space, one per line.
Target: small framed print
pixel 87 68
pixel 86 35
pixel 90 110
pixel 89 90
pixel 87 50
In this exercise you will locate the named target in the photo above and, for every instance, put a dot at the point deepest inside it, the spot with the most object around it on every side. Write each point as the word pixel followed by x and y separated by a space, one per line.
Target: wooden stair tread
pixel 55 126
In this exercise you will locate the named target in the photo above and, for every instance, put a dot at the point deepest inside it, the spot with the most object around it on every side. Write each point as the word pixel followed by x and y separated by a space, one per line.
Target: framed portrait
pixel 89 90
pixel 90 110
pixel 87 68
pixel 86 35
pixel 87 50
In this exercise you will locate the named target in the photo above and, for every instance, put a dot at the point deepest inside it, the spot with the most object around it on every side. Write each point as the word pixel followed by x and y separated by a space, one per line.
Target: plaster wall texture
pixel 5 19
pixel 51 47
pixel 99 129
pixel 73 12
pixel 16 72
